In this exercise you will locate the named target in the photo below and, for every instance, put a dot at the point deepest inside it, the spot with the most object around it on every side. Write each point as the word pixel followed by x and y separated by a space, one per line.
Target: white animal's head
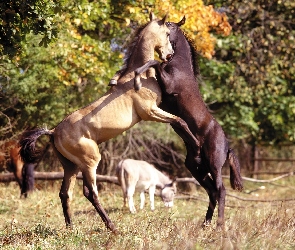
pixel 168 193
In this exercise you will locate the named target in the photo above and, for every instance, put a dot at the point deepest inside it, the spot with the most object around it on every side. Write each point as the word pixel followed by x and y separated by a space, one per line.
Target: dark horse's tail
pixel 28 151
pixel 235 175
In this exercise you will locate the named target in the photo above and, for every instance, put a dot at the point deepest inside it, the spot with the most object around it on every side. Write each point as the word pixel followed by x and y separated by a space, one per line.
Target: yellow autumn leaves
pixel 201 21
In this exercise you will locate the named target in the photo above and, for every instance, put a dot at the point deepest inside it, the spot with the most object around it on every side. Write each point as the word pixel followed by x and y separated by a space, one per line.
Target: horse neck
pixel 191 93
pixel 162 180
pixel 183 54
pixel 142 53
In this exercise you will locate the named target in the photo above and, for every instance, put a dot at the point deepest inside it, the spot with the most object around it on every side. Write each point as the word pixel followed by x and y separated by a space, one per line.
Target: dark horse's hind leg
pixel 213 186
pixel 215 195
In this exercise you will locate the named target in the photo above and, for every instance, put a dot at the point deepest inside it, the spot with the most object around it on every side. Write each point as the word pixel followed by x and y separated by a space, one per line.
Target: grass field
pixel 258 219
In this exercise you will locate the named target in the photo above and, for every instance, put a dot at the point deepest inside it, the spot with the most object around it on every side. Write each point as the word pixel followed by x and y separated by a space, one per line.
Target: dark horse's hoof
pixel 198 160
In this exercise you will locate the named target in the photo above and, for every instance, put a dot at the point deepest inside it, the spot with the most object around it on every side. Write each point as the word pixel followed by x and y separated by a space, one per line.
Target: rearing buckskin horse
pixel 181 97
pixel 75 140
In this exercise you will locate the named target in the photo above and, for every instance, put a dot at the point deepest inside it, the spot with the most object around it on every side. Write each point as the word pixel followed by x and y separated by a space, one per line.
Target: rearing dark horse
pixel 181 97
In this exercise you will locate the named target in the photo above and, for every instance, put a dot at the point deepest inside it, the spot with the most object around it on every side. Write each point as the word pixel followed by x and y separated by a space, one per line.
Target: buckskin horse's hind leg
pixel 68 183
pixel 66 192
pixel 91 193
pixel 88 165
pixel 67 187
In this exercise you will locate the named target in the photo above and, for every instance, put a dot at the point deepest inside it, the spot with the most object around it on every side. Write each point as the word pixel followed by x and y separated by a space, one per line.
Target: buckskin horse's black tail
pixel 235 175
pixel 28 151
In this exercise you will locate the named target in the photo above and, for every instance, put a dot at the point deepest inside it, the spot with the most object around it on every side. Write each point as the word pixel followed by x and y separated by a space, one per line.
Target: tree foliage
pixel 252 75
pixel 19 18
pixel 202 22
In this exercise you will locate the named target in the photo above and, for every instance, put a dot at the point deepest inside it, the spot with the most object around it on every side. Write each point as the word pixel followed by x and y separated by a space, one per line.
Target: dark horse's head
pixel 176 42
pixel 174 30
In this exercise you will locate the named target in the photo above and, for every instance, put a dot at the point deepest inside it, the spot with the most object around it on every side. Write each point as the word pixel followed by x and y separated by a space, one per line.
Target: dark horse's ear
pixel 162 22
pixel 182 22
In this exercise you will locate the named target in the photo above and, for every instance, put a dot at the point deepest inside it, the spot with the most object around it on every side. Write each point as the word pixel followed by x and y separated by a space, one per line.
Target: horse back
pixel 115 112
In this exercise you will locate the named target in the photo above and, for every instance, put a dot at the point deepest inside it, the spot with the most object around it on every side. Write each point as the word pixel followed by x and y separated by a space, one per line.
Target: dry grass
pixel 38 223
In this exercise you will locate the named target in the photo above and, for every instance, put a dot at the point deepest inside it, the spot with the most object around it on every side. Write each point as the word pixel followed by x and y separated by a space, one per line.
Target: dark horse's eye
pixel 168 24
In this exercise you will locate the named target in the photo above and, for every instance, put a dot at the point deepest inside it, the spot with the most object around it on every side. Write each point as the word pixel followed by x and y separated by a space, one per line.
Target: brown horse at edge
pixel 75 140
pixel 11 160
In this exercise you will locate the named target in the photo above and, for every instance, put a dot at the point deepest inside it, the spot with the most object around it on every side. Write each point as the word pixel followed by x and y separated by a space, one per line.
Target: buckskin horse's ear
pixel 182 22
pixel 152 16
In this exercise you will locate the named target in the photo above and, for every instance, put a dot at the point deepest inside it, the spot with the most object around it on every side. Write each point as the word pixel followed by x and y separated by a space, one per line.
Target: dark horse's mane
pixel 194 54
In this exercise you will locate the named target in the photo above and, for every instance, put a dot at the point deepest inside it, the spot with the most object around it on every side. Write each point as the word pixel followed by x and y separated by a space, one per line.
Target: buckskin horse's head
pixel 160 33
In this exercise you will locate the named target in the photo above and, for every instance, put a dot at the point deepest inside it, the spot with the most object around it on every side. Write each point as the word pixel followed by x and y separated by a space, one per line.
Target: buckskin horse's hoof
pixel 206 224
pixel 116 231
pixel 137 83
pixel 113 82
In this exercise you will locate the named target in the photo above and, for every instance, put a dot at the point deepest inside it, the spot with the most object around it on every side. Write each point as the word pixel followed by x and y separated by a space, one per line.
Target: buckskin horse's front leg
pixel 116 77
pixel 159 115
pixel 139 71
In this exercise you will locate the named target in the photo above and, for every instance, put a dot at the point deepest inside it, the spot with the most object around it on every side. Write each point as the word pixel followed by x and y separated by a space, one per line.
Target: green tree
pixel 42 85
pixel 19 18
pixel 250 82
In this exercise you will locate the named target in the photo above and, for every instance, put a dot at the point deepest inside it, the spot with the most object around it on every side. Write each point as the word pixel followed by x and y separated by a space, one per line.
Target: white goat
pixel 140 175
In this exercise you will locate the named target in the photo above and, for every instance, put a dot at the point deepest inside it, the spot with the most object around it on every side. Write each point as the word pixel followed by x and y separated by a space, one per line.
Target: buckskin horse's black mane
pixel 131 46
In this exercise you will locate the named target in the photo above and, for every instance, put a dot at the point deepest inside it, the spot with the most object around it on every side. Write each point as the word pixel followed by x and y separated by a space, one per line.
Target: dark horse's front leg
pixel 166 82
